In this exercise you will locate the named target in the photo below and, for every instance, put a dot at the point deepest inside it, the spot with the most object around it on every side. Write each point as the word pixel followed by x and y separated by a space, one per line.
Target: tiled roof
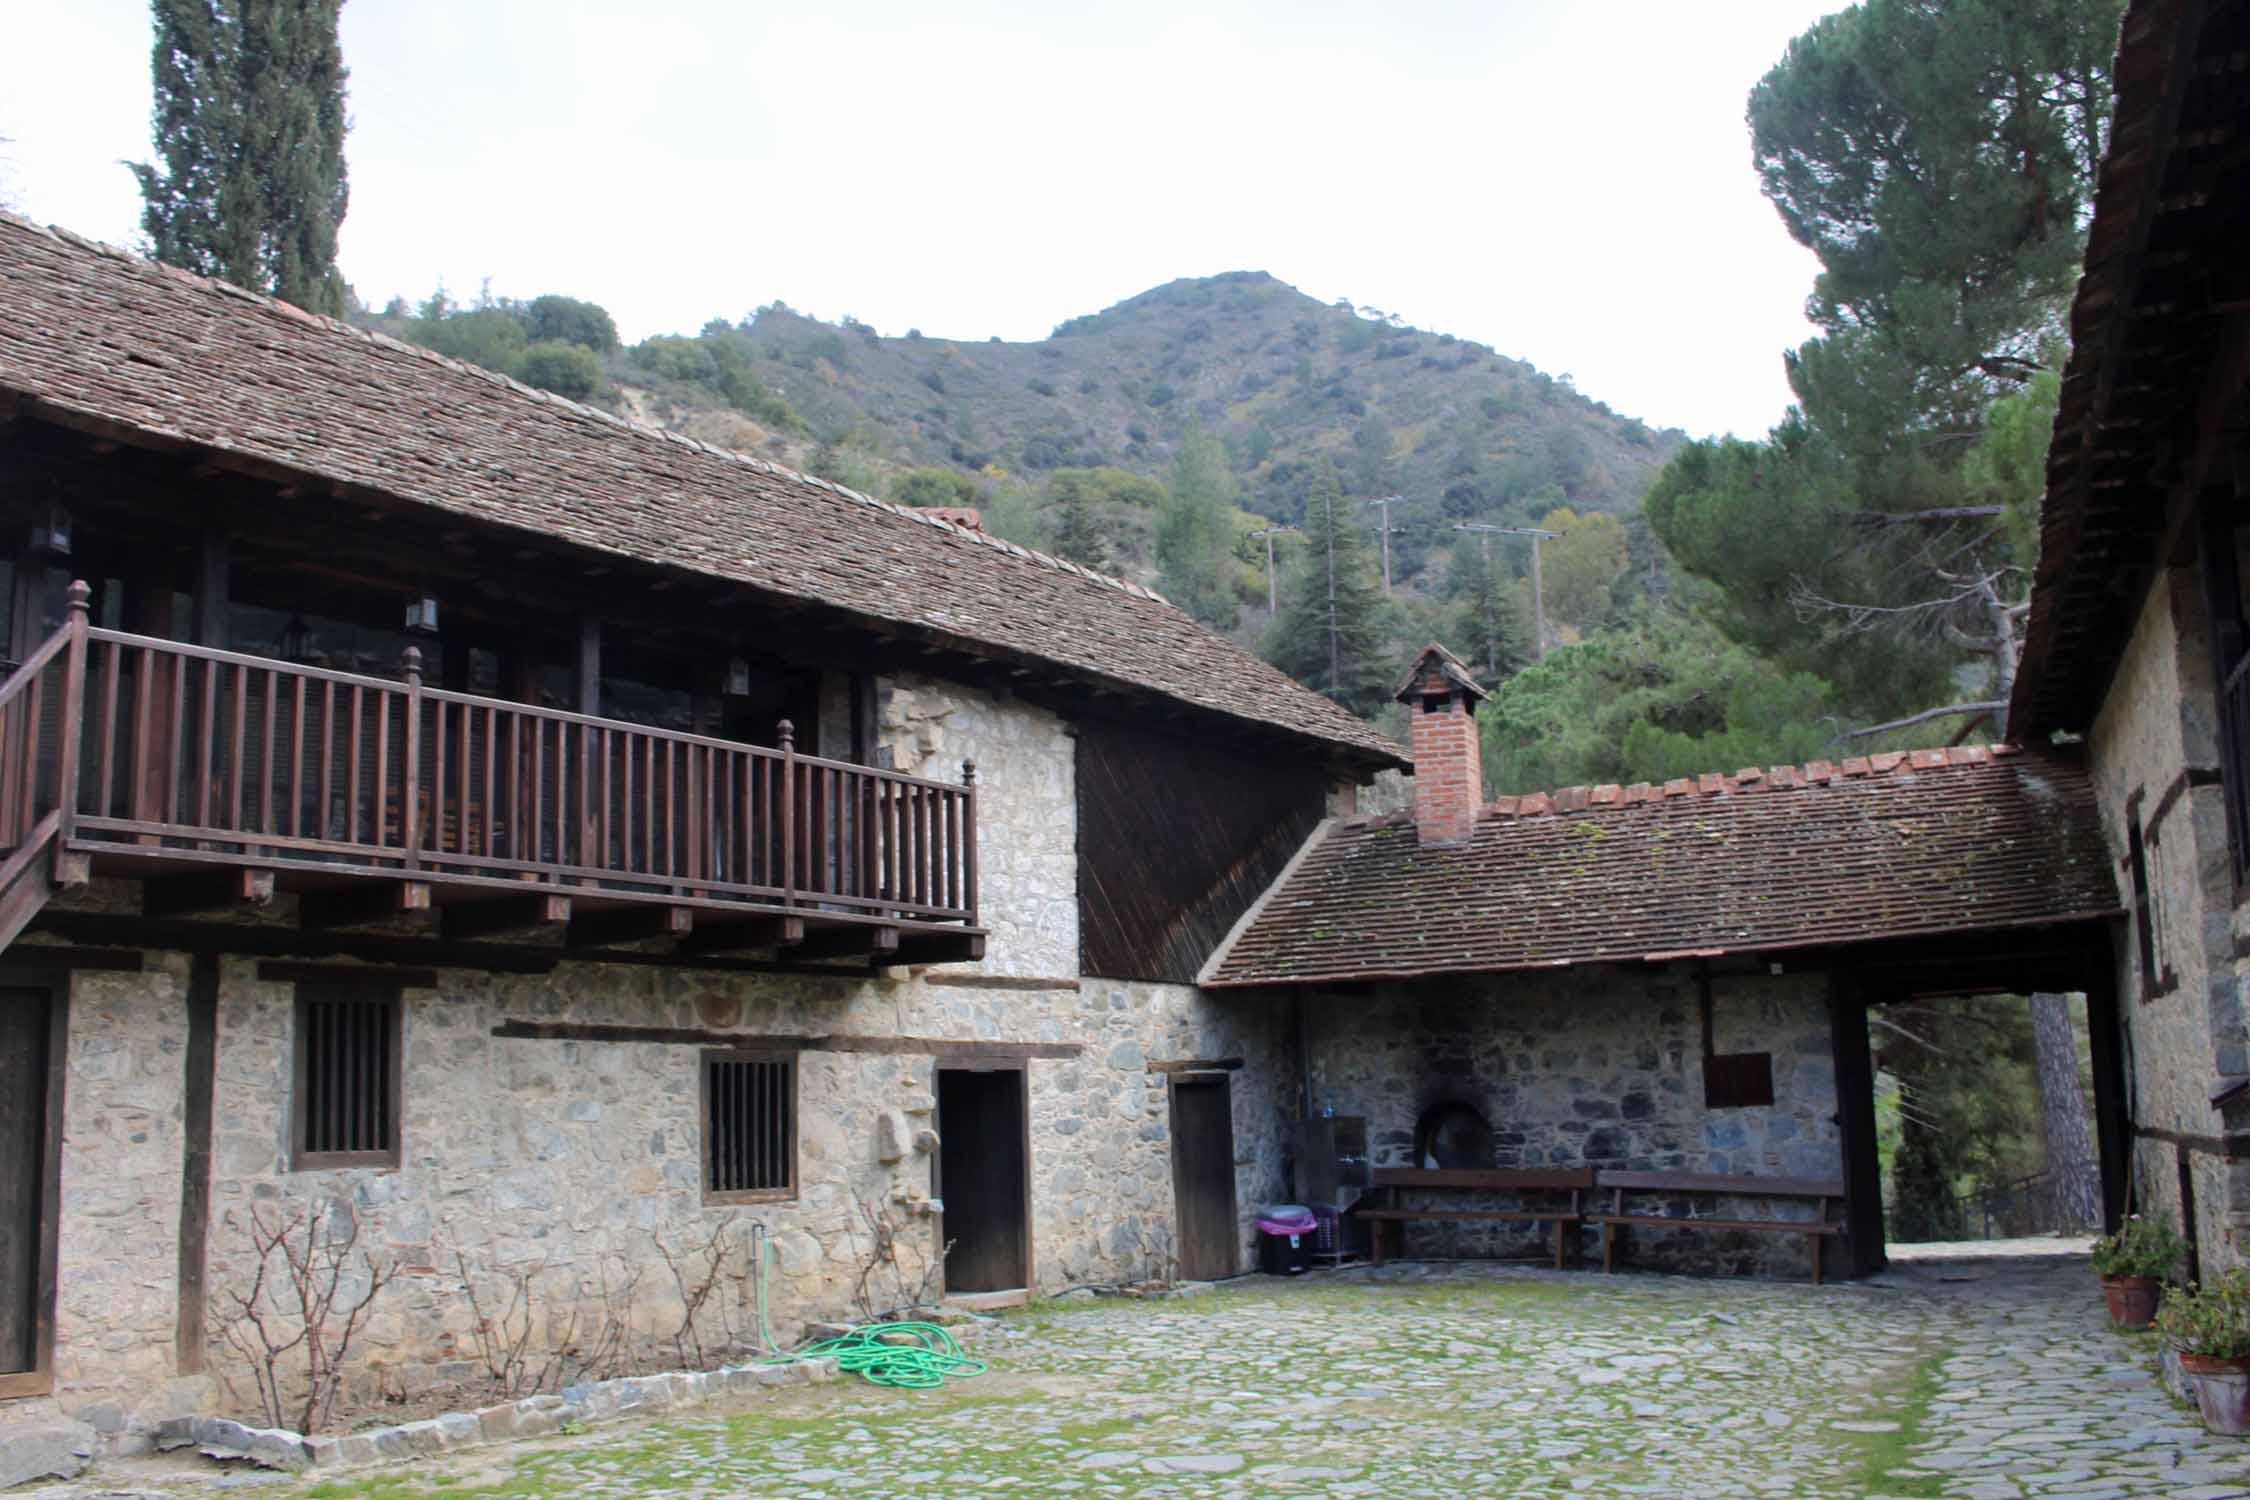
pixel 2155 351
pixel 91 334
pixel 1894 845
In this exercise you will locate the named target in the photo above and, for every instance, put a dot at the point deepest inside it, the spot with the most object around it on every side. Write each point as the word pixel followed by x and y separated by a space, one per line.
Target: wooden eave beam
pixel 536 916
pixel 363 903
pixel 205 892
pixel 938 948
pixel 630 924
pixel 745 936
pixel 859 940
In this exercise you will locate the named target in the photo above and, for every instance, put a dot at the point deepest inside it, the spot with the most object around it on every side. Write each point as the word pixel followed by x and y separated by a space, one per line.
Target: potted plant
pixel 2209 1327
pixel 2133 1265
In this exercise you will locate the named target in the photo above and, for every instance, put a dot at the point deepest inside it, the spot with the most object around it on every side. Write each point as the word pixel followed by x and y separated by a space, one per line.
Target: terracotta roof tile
pixel 1744 865
pixel 91 333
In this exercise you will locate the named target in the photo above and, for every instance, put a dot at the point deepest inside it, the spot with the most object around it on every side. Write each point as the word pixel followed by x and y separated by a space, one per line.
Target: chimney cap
pixel 1438 670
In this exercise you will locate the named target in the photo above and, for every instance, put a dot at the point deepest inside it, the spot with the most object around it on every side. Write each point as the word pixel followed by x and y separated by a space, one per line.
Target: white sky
pixel 1566 181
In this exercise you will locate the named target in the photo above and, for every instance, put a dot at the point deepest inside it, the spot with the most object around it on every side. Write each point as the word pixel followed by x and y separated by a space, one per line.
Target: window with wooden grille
pixel 345 1105
pixel 2157 977
pixel 749 1126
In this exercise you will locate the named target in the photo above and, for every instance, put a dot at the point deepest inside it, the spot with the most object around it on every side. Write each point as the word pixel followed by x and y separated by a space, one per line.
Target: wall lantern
pixel 421 614
pixel 738 678
pixel 51 532
pixel 296 640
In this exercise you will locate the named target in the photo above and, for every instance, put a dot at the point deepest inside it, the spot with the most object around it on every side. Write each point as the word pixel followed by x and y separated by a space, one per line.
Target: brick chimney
pixel 1441 700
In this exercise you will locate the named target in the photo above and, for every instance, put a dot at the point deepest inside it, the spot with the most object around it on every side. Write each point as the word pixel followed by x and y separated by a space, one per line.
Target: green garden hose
pixel 923 1356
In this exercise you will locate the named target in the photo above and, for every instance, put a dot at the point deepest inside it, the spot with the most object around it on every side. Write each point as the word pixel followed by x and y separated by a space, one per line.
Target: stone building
pixel 549 848
pixel 2135 641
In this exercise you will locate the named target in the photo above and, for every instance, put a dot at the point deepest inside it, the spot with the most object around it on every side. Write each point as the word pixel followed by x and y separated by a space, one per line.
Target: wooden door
pixel 1203 1178
pixel 24 1178
pixel 983 1178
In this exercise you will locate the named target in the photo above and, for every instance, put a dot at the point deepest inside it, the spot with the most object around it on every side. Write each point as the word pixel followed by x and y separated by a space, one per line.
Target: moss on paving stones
pixel 1424 1380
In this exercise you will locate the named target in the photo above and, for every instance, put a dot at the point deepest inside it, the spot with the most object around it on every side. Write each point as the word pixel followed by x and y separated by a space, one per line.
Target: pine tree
pixel 1194 538
pixel 1489 619
pixel 249 124
pixel 1333 632
pixel 1077 534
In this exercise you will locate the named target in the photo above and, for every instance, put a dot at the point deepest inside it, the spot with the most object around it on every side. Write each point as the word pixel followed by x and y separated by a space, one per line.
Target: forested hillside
pixel 1218 439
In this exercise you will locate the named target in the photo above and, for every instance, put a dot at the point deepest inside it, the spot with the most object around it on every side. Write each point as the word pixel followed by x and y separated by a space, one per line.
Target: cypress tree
pixel 1194 538
pixel 1488 616
pixel 1333 630
pixel 249 126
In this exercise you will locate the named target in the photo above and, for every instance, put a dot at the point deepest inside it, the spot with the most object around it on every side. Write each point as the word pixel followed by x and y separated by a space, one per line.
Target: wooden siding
pixel 1174 843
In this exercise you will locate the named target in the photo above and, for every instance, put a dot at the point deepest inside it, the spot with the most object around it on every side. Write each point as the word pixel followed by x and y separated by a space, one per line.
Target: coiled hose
pixel 909 1356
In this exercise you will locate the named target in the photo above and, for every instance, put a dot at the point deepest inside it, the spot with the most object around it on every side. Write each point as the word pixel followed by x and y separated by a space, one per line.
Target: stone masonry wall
pixel 2181 1033
pixel 1593 1067
pixel 576 1160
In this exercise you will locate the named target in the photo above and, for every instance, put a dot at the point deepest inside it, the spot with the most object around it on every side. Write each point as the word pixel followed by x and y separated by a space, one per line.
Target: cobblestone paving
pixel 1971 1380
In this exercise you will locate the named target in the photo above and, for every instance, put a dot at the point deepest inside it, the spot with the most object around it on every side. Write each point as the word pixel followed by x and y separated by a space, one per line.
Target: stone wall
pixel 578 1161
pixel 1599 1067
pixel 2186 1028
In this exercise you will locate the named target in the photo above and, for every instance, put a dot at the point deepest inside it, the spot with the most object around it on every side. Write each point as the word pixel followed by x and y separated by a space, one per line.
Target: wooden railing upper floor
pixel 131 742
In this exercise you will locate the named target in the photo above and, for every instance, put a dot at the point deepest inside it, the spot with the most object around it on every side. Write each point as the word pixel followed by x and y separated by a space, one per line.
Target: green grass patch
pixel 1880 1456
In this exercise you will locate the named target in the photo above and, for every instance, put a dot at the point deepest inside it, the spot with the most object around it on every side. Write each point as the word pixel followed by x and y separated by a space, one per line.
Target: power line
pixel 1386 502
pixel 1273 597
pixel 1538 596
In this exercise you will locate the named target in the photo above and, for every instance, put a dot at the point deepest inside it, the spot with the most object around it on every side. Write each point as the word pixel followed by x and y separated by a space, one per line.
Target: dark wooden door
pixel 1203 1178
pixel 983 1179
pixel 23 1171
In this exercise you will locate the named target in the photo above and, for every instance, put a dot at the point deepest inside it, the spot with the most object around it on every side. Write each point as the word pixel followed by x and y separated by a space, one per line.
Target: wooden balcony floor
pixel 453 909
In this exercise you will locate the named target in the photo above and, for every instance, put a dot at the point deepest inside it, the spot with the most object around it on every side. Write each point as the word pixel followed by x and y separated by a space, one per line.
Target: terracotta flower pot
pixel 2132 1299
pixel 2222 1390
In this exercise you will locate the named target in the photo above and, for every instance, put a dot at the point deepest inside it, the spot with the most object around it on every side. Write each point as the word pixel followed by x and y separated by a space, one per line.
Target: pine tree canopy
pixel 1333 631
pixel 249 126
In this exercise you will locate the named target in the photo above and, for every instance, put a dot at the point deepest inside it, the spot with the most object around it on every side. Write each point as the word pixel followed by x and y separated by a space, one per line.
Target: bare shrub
pixel 295 1323
pixel 881 1222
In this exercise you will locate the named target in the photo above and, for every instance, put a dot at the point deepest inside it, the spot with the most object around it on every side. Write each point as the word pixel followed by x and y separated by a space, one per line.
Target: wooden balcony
pixel 217 778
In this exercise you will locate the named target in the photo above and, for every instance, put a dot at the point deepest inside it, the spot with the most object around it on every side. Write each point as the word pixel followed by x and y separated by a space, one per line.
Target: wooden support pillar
pixel 212 570
pixel 189 1336
pixel 1861 1244
pixel 589 674
pixel 2113 1122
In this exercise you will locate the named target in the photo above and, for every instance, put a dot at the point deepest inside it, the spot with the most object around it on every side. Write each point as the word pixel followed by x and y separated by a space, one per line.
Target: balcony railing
pixel 184 747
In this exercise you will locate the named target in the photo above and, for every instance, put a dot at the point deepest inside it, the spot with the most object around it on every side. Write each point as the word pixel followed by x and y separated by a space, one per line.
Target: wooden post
pixel 213 569
pixel 1855 1117
pixel 589 682
pixel 410 795
pixel 69 732
pixel 969 839
pixel 2113 1126
pixel 195 1176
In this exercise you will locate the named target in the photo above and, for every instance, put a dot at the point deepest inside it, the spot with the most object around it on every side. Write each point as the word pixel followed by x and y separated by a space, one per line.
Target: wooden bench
pixel 1621 1185
pixel 1389 1183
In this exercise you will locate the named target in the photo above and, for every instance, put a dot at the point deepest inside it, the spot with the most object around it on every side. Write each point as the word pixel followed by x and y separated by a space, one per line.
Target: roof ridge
pixel 1749 779
pixel 643 430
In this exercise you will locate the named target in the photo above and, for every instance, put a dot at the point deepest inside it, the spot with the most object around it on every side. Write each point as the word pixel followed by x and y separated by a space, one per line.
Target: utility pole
pixel 1273 596
pixel 1386 502
pixel 1335 655
pixel 1538 597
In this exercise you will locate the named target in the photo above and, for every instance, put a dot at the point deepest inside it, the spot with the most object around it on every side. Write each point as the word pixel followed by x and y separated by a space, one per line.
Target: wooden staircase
pixel 41 723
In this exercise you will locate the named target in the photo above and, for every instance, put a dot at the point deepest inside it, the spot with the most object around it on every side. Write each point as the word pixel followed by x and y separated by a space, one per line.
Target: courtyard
pixel 1965 1378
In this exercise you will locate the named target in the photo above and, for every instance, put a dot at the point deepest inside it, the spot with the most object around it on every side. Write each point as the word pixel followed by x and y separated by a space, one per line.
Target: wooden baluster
pixel 435 836
pixel 142 804
pixel 410 668
pixel 486 842
pixel 297 760
pixel 953 851
pixel 105 774
pixel 176 734
pixel 354 744
pixel 206 743
pixel 787 798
